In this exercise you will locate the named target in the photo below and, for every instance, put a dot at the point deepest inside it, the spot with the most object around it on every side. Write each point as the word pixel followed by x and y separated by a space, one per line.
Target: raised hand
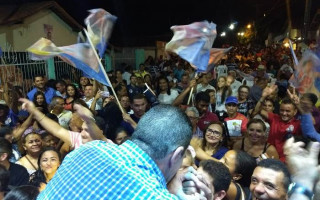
pixel 269 90
pixel 305 106
pixel 28 105
pixel 293 96
pixel 298 158
pixel 83 112
pixel 192 83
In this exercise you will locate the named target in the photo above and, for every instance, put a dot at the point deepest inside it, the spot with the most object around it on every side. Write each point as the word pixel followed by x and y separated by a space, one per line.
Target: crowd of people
pixel 236 132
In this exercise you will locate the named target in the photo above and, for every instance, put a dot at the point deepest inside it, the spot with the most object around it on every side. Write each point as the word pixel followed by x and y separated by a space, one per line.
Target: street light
pixel 231 27
pixel 223 34
pixel 249 26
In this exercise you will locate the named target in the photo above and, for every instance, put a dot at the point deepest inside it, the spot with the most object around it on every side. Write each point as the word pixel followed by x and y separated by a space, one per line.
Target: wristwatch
pixel 299 189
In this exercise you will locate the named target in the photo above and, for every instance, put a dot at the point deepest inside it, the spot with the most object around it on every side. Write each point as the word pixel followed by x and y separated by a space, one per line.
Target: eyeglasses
pixel 213 133
pixel 245 92
pixel 193 118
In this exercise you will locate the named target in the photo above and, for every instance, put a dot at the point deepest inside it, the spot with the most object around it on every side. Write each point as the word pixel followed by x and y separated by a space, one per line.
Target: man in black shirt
pixel 18 174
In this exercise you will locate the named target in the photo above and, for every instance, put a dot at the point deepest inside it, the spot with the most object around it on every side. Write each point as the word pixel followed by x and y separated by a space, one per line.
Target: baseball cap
pixel 232 99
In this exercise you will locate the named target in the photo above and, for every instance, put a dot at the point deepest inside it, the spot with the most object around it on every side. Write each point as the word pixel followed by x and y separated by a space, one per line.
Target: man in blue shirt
pixel 39 85
pixel 137 169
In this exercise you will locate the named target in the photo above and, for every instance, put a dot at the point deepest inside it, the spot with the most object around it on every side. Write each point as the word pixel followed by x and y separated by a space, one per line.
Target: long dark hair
pixel 158 88
pixel 226 91
pixel 245 165
pixel 112 115
pixel 224 137
pixel 38 176
pixel 44 106
pixel 76 91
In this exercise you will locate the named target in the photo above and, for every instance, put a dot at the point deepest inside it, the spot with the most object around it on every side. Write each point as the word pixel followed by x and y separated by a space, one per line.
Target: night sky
pixel 141 22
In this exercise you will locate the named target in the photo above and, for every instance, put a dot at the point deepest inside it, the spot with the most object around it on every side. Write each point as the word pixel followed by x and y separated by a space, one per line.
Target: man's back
pixel 107 171
pixel 18 175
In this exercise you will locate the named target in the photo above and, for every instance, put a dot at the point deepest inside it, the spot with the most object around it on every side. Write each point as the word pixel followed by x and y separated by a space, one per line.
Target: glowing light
pixel 231 26
pixel 223 34
pixel 242 33
pixel 286 44
pixel 264 14
pixel 299 38
pixel 249 26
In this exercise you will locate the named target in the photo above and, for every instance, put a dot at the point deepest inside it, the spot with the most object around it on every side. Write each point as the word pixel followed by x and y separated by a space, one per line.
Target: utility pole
pixel 306 20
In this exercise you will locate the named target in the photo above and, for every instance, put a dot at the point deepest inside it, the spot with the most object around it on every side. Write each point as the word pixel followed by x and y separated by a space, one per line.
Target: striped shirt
pixel 99 170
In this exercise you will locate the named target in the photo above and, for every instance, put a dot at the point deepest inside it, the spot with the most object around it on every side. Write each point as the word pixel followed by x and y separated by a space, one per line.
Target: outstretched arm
pixel 51 126
pixel 95 132
pixel 200 153
pixel 305 107
pixel 265 93
pixel 19 131
pixel 184 93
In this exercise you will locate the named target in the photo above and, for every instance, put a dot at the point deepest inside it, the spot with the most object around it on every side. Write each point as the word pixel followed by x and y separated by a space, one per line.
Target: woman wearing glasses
pixel 213 143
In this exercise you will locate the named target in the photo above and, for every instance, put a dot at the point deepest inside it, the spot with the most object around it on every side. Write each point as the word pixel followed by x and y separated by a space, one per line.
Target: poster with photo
pixel 48 29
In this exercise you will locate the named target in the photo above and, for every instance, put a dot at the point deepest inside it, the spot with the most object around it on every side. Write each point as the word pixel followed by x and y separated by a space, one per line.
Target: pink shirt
pixel 76 139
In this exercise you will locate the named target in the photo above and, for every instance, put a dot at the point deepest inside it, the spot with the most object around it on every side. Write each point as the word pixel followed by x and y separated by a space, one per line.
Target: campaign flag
pixel 217 54
pixel 79 55
pixel 193 43
pixel 99 27
pixel 306 77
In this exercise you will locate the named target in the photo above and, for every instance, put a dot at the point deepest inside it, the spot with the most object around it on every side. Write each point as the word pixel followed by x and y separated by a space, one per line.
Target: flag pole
pixel 295 59
pixel 104 72
pixel 150 89
pixel 190 94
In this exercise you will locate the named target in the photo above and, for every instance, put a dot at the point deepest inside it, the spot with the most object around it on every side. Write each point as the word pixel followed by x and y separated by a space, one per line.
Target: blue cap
pixel 232 99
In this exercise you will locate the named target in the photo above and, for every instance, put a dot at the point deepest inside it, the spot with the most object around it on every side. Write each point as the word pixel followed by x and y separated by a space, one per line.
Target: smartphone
pixel 105 93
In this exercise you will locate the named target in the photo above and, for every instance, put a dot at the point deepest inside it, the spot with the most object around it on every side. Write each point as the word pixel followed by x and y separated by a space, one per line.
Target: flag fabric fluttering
pixel 217 54
pixel 78 55
pixel 81 55
pixel 99 26
pixel 193 43
pixel 306 77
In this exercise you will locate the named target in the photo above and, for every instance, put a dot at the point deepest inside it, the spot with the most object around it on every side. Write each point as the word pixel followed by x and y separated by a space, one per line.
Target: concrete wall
pixel 21 36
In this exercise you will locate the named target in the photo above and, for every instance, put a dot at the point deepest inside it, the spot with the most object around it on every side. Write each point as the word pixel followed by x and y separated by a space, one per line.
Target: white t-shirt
pixel 222 70
pixel 126 76
pixel 234 127
pixel 98 103
pixel 220 106
pixel 64 118
pixel 168 99
pixel 234 87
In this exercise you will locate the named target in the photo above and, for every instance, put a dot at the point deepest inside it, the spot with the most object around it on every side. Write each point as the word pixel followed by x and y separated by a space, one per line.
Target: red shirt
pixel 239 121
pixel 206 119
pixel 279 131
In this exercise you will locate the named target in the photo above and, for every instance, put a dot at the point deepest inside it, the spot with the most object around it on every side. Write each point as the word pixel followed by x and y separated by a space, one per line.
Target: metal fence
pixel 18 69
